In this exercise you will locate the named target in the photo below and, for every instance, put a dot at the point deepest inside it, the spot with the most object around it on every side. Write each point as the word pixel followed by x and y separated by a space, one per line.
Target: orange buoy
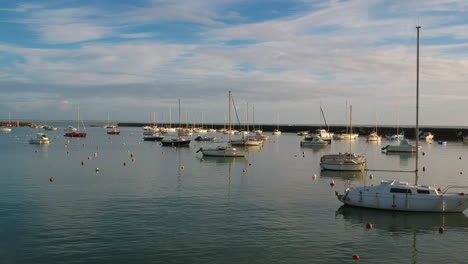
pixel 369 225
pixel 36 151
pixel 441 229
pixel 51 179
pixel 355 256
pixel 133 159
pixel 89 157
pixel 82 163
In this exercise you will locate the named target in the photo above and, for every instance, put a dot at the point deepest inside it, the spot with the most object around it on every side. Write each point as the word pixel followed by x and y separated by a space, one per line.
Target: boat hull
pixel 75 134
pixel 343 166
pixel 155 138
pixel 39 142
pixel 223 153
pixel 175 143
pixel 397 148
pixel 406 202
pixel 247 143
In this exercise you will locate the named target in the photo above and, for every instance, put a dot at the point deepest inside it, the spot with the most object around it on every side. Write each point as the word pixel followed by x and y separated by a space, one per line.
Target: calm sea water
pixel 172 206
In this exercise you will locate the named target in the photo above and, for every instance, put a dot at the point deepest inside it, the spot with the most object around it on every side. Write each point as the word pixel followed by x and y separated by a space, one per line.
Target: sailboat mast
pixel 179 113
pixel 417 106
pixel 170 117
pixel 229 118
pixel 247 125
pixel 350 126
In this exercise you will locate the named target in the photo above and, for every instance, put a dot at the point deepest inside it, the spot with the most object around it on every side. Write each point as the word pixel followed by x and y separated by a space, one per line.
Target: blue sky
pixel 131 58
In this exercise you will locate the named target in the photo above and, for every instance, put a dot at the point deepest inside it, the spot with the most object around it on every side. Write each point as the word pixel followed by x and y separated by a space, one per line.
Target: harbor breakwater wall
pixel 440 133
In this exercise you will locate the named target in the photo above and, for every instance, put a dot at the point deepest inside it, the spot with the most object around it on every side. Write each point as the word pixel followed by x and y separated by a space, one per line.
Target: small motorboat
pixel 313 141
pixel 404 146
pixel 40 138
pixel 50 128
pixel 154 137
pixel 442 142
pixel 205 138
pixel 176 142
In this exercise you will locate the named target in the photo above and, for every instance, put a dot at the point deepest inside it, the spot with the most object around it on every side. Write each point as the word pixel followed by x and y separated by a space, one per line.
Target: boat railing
pixel 453 187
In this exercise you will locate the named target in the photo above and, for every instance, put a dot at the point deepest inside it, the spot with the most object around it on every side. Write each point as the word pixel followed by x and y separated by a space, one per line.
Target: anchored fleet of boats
pixel 388 195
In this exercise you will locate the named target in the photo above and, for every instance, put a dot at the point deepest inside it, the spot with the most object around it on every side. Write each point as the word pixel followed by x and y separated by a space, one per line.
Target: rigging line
pixel 235 111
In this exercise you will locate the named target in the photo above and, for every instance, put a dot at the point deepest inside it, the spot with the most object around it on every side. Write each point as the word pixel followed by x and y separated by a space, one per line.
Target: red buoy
pixel 355 256
pixel 36 151
pixel 51 179
pixel 369 225
pixel 441 229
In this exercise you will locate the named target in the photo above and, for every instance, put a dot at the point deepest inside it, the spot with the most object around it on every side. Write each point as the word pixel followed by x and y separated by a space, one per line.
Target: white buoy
pixel 314 177
pixel 371 176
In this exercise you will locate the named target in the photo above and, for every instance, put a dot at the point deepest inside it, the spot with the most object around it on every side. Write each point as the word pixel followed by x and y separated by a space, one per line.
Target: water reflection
pixel 315 149
pixel 404 157
pixel 345 175
pixel 402 221
pixel 222 160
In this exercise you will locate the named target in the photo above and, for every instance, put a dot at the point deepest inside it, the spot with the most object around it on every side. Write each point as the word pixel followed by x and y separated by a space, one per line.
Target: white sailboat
pixel 374 136
pixel 343 161
pixel 224 151
pixel 277 132
pixel 402 196
pixel 6 128
pixel 179 141
pixel 246 140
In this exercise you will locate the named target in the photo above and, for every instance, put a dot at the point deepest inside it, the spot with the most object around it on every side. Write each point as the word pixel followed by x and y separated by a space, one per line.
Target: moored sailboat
pixel 224 151
pixel 402 196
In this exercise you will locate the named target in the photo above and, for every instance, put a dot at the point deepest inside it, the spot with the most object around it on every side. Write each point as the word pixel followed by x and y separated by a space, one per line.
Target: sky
pixel 283 58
